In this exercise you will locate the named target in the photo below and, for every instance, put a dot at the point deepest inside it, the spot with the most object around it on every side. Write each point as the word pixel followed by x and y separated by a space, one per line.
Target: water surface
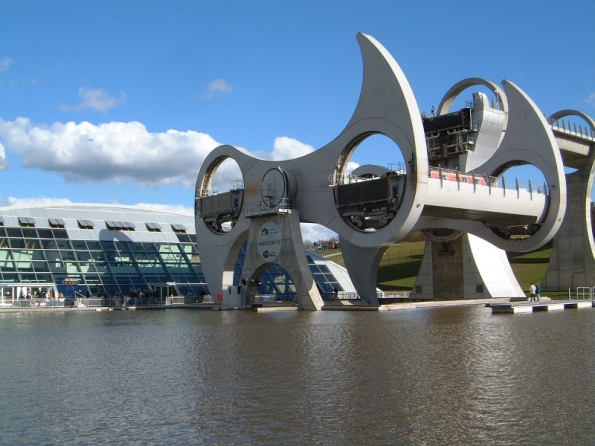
pixel 427 376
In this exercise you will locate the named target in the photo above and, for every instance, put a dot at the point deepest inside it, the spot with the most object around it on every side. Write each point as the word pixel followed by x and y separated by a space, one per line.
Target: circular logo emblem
pixel 269 241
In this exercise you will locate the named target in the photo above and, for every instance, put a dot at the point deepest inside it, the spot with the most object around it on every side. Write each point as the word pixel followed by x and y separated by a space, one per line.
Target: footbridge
pixel 575 141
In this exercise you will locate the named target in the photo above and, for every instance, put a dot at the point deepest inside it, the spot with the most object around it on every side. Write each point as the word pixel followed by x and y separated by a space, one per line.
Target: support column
pixel 362 265
pixel 277 238
pixel 572 263
pixel 467 267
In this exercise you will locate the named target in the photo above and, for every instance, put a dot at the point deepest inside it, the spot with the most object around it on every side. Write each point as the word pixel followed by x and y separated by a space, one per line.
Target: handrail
pixel 571 128
pixel 258 208
pixel 485 180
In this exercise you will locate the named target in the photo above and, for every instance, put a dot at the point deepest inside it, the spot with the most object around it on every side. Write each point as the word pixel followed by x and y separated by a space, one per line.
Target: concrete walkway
pixel 339 305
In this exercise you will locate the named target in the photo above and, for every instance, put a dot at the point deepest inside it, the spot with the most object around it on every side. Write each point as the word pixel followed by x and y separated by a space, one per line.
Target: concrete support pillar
pixel 277 239
pixel 467 267
pixel 362 264
pixel 572 263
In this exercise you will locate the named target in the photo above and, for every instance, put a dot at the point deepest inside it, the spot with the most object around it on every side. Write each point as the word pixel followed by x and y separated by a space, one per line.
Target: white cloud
pixel 351 166
pixel 115 151
pixel 34 201
pixel 5 64
pixel 96 99
pixel 314 232
pixel 124 151
pixel 215 88
pixel 3 160
pixel 286 148
pixel 591 100
pixel 175 209
pixel 53 201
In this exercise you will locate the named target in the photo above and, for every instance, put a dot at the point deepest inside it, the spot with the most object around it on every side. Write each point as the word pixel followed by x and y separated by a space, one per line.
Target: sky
pixel 120 101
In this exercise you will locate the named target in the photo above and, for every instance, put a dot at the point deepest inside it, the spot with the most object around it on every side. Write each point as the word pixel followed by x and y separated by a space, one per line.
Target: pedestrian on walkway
pixel 532 292
pixel 538 292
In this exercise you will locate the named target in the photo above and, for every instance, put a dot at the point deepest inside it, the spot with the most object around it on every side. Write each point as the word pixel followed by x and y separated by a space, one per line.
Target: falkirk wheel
pixel 448 187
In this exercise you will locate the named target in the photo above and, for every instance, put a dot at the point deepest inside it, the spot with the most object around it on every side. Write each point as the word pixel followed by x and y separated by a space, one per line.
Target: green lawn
pixel 400 265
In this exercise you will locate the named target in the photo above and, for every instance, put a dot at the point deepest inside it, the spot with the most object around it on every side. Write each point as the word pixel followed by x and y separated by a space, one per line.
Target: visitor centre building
pixel 115 250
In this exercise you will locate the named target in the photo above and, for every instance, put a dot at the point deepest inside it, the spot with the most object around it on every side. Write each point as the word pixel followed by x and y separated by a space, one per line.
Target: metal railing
pixel 33 303
pixel 258 208
pixel 581 293
pixel 285 298
pixel 351 295
pixel 478 180
pixel 571 128
pixel 93 302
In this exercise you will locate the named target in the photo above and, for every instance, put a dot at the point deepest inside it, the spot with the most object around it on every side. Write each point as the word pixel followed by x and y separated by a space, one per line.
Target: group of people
pixel 535 292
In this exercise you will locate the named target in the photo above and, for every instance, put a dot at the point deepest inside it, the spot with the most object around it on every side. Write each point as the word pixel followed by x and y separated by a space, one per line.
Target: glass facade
pixel 113 250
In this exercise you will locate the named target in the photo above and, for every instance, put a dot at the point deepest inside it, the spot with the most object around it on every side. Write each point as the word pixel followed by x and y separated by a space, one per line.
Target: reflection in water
pixel 433 376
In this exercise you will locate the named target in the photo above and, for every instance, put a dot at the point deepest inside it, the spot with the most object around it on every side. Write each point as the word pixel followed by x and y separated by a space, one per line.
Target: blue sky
pixel 120 101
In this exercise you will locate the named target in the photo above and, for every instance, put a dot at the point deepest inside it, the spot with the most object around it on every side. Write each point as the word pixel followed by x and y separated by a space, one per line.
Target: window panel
pixel 324 268
pixel 56 222
pixel 63 244
pixel 169 248
pixel 85 224
pixel 20 255
pixel 101 268
pixel 37 255
pixel 83 256
pixel 32 244
pixel 44 277
pixel 67 255
pixel 49 244
pixel 29 233
pixel 94 246
pixel 45 233
pixel 40 267
pixel 14 232
pixel 72 268
pixel 57 267
pixel 24 267
pixel 10 277
pixel 79 245
pixel 178 227
pixel 7 265
pixel 60 233
pixel 53 256
pixel 185 238
pixel 28 277
pixel 26 221
pixel 17 243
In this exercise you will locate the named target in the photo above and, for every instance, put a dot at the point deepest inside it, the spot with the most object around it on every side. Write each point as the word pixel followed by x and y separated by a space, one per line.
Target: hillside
pixel 400 265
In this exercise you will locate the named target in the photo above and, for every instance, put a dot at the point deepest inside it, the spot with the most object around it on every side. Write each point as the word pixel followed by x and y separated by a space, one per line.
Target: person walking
pixel 532 292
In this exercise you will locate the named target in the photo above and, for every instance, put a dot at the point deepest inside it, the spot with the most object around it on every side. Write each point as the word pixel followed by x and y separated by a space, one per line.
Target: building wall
pixel 84 248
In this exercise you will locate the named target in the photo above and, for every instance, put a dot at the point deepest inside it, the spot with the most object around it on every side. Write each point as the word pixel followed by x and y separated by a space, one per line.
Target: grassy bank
pixel 400 265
